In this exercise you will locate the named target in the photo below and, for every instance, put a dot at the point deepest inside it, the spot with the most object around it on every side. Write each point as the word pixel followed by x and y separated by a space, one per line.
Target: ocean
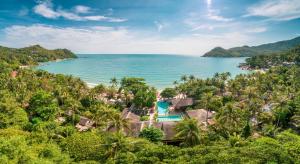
pixel 159 71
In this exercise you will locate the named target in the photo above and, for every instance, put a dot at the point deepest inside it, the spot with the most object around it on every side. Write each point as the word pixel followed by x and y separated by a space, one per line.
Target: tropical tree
pixel 119 123
pixel 152 134
pixel 114 82
pixel 231 118
pixel 168 93
pixel 189 132
pixel 43 105
pixel 184 78
pixel 115 144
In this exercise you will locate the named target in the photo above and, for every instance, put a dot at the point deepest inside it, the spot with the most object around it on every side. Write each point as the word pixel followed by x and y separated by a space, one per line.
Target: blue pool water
pixel 163 111
pixel 159 71
pixel 162 108
pixel 169 118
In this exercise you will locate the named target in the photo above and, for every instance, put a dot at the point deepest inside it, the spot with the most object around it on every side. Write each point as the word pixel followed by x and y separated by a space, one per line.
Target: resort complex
pixel 134 82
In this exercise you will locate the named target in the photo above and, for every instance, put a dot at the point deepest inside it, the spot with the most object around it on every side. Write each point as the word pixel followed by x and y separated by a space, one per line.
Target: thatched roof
pixel 181 103
pixel 84 124
pixel 85 121
pixel 130 116
pixel 200 115
pixel 134 129
pixel 168 128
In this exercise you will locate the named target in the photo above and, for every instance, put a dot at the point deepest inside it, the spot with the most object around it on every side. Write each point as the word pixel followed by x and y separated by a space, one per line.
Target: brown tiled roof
pixel 199 114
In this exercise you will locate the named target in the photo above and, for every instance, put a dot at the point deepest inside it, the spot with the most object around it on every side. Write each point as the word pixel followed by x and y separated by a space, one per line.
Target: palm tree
pixel 102 114
pixel 114 144
pixel 175 82
pixel 206 98
pixel 189 131
pixel 192 77
pixel 230 118
pixel 184 78
pixel 119 123
pixel 114 81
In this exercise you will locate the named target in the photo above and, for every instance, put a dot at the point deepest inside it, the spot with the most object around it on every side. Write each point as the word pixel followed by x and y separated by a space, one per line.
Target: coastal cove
pixel 159 71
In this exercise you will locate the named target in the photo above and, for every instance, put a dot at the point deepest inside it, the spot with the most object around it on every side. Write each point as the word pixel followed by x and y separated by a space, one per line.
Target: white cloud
pixel 210 27
pixel 257 30
pixel 208 2
pixel 281 10
pixel 82 9
pixel 99 39
pixel 214 14
pixel 46 9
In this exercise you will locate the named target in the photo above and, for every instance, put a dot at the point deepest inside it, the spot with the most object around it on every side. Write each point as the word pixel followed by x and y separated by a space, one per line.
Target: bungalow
pixel 201 115
pixel 132 117
pixel 181 103
pixel 169 130
pixel 84 124
pixel 135 125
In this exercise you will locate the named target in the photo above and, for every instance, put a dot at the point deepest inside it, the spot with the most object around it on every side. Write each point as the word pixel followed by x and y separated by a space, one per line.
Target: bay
pixel 159 71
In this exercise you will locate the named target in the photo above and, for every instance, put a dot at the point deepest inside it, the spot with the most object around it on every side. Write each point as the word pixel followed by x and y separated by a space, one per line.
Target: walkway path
pixel 151 119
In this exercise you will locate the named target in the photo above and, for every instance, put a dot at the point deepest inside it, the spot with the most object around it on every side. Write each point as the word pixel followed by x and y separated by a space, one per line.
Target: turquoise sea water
pixel 159 70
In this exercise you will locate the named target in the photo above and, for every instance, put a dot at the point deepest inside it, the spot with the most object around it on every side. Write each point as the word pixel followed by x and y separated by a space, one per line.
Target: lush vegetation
pixel 32 55
pixel 257 119
pixel 287 58
pixel 247 51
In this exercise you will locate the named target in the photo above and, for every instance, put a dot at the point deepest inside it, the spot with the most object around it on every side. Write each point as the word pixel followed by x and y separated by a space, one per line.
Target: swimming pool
pixel 169 118
pixel 162 108
pixel 163 113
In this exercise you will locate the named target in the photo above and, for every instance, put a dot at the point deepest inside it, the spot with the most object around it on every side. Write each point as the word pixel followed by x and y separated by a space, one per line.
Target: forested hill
pixel 32 55
pixel 247 51
pixel 286 58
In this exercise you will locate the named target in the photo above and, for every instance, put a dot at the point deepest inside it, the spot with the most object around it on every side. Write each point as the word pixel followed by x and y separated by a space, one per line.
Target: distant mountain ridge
pixel 247 51
pixel 32 55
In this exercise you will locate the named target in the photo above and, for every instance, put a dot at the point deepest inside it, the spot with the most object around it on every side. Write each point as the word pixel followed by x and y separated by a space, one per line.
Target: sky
pixel 185 27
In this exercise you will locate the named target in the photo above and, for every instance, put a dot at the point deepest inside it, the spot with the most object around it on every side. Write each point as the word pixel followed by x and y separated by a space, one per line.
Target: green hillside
pixel 32 55
pixel 247 51
pixel 286 58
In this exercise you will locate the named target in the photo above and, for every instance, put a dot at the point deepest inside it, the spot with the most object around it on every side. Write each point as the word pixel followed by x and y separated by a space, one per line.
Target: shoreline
pixel 90 82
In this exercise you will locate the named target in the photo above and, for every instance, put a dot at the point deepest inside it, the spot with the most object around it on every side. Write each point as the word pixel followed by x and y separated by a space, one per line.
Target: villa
pixel 167 118
pixel 169 130
pixel 203 116
pixel 178 103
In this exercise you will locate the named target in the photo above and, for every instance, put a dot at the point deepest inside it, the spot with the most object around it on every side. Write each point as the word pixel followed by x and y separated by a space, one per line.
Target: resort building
pixel 178 103
pixel 203 116
pixel 169 130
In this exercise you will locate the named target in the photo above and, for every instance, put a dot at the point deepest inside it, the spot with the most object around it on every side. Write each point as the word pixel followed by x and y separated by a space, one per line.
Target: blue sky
pixel 188 27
